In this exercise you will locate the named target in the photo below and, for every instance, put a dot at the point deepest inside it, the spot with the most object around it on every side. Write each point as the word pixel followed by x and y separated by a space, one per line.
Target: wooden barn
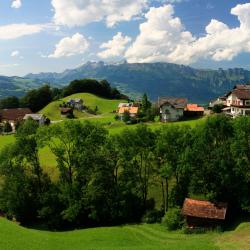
pixel 203 214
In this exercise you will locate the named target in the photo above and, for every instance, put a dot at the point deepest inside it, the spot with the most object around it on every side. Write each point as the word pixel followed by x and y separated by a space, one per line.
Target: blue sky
pixel 53 35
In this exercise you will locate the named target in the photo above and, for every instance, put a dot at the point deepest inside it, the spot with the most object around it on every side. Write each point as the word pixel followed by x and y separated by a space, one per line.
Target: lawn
pixel 137 237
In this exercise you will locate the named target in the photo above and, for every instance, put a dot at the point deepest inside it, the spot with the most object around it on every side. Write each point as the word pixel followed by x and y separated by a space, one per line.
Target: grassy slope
pixel 155 237
pixel 105 107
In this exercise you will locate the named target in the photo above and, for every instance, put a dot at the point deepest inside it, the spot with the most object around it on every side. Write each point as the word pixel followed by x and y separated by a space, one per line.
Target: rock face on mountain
pixel 156 79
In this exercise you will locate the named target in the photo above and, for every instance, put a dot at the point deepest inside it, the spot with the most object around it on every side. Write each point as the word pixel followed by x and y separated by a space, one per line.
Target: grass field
pixel 137 237
pixel 105 107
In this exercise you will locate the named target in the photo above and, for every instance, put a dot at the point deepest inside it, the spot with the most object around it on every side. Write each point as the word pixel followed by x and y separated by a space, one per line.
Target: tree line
pixel 106 179
pixel 37 99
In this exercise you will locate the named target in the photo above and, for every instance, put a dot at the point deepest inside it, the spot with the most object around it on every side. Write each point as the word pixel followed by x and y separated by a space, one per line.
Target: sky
pixel 54 35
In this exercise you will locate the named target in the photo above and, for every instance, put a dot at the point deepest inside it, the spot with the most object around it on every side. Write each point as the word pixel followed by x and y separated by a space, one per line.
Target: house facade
pixel 41 119
pixel 13 116
pixel 238 101
pixel 171 108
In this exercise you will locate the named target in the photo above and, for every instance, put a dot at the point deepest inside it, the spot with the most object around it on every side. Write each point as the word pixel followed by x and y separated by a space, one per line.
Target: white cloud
pixel 16 4
pixel 115 47
pixel 81 12
pixel 163 38
pixel 70 46
pixel 15 53
pixel 13 31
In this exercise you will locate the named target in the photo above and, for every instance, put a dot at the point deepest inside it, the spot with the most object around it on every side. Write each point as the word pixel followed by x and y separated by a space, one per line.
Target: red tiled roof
pixel 131 110
pixel 194 107
pixel 14 114
pixel 204 209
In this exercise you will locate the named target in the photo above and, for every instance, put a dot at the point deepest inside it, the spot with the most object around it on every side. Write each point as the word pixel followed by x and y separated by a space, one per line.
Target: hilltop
pixel 105 107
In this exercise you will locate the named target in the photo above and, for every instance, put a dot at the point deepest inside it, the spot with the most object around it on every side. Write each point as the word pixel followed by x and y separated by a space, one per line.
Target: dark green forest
pixel 105 179
pixel 37 99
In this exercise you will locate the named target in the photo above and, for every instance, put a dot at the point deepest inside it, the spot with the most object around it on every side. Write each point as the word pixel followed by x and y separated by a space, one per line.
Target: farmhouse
pixel 133 112
pixel 41 119
pixel 206 214
pixel 13 116
pixel 193 110
pixel 238 101
pixel 172 108
pixel 76 104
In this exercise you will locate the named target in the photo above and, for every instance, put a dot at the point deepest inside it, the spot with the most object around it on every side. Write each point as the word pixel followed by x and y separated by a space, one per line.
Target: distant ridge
pixel 156 79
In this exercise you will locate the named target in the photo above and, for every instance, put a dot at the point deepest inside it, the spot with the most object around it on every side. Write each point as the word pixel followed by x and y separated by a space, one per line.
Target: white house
pixel 36 117
pixel 238 101
pixel 172 108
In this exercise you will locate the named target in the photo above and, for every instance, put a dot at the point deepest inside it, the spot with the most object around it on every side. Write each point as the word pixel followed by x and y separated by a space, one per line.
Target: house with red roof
pixel 193 110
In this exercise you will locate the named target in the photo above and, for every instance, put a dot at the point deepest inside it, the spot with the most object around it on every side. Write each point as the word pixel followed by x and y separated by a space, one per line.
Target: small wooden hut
pixel 204 214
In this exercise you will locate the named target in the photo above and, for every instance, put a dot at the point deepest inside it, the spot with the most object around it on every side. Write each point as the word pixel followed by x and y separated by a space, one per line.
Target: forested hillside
pixel 156 79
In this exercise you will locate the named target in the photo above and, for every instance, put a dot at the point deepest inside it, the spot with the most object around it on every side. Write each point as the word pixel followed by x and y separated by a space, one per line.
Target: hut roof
pixel 204 209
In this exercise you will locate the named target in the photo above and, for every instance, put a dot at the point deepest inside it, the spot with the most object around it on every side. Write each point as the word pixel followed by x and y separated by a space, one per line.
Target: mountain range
pixel 155 79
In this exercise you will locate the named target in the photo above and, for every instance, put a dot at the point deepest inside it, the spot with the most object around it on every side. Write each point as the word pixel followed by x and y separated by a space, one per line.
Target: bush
pixel 218 108
pixel 7 127
pixel 173 219
pixel 152 216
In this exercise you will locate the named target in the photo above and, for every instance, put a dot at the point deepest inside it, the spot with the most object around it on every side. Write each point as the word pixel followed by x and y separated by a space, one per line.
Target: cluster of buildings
pixel 71 105
pixel 236 102
pixel 170 109
pixel 14 116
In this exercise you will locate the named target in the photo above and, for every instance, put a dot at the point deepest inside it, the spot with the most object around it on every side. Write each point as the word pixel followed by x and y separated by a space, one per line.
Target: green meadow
pixel 138 237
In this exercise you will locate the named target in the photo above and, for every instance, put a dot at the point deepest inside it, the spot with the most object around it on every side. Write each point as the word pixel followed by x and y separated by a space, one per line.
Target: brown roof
pixel 204 209
pixel 241 91
pixel 66 110
pixel 14 114
pixel 176 102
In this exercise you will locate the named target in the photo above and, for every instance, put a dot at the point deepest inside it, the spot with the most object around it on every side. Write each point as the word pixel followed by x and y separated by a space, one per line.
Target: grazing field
pixel 137 237
pixel 105 107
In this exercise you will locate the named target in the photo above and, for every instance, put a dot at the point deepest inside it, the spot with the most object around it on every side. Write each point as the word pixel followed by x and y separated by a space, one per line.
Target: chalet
pixel 219 101
pixel 41 119
pixel 205 214
pixel 172 108
pixel 193 110
pixel 133 112
pixel 238 101
pixel 75 104
pixel 13 116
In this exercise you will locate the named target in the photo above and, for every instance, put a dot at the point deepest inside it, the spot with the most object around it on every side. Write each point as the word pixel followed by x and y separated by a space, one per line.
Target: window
pixel 247 103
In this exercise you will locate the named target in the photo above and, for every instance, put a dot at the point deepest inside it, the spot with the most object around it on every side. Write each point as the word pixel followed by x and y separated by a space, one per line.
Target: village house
pixel 238 101
pixel 13 116
pixel 193 110
pixel 76 104
pixel 41 119
pixel 219 101
pixel 133 112
pixel 171 108
pixel 203 214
